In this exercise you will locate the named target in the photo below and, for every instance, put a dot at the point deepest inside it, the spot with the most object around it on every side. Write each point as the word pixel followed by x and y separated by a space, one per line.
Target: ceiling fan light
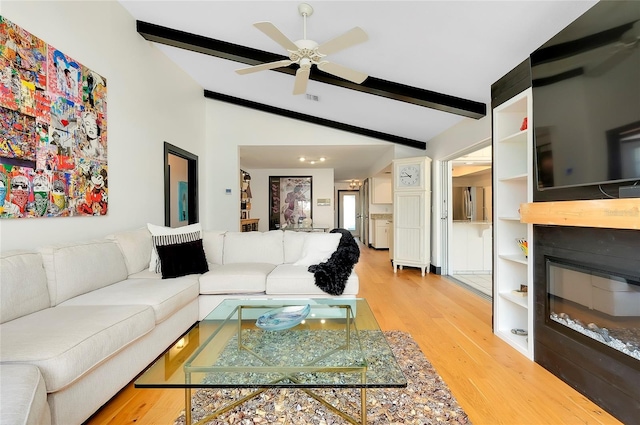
pixel 322 159
pixel 313 162
pixel 302 159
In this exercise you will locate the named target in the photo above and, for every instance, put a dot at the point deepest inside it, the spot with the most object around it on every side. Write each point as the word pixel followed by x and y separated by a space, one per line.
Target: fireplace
pixel 587 313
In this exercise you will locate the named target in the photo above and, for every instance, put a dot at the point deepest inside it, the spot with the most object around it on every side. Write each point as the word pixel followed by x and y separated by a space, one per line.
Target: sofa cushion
pixel 154 263
pixel 23 396
pixel 165 296
pixel 253 247
pixel 24 285
pixel 77 268
pixel 318 247
pixel 293 242
pixel 136 248
pixel 67 342
pixel 289 279
pixel 238 278
pixel 213 243
pixel 182 259
pixel 166 240
pixel 145 274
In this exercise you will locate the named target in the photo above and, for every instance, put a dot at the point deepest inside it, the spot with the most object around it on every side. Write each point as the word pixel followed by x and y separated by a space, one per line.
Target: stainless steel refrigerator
pixel 468 203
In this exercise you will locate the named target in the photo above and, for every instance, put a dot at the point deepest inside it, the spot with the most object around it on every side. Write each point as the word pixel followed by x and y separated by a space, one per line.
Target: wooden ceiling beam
pixel 417 144
pixel 250 56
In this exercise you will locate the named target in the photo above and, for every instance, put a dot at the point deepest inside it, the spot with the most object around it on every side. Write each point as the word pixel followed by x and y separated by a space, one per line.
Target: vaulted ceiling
pixel 430 63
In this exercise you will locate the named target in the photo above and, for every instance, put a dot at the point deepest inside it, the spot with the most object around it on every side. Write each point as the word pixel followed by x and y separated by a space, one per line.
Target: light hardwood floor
pixel 492 382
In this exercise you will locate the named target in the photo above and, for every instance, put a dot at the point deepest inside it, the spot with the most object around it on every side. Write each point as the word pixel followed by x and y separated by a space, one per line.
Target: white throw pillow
pixel 161 231
pixel 317 248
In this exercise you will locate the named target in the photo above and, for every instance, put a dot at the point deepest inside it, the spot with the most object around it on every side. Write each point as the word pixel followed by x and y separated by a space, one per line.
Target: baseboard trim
pixel 435 270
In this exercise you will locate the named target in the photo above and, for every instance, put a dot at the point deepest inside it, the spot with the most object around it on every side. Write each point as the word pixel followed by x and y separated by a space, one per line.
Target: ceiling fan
pixel 307 52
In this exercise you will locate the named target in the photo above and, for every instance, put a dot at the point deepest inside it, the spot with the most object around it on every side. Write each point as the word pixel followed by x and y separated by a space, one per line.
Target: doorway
pixel 349 211
pixel 469 235
pixel 180 186
pixel 364 213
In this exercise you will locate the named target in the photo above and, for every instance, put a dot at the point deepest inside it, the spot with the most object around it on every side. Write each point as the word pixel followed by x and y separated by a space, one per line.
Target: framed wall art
pixel 53 130
pixel 290 202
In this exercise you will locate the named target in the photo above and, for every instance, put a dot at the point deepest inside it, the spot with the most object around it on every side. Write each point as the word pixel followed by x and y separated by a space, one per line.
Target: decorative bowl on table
pixel 522 243
pixel 283 318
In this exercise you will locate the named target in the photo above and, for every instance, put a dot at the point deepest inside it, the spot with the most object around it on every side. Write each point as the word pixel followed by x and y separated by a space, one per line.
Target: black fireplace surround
pixel 605 375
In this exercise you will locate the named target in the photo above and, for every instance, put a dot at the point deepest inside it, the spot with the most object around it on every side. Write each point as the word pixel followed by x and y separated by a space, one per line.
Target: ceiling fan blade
pixel 350 38
pixel 264 66
pixel 276 35
pixel 302 78
pixel 342 72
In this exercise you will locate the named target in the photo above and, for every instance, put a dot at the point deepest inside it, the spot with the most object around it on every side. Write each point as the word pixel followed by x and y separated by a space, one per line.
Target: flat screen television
pixel 586 103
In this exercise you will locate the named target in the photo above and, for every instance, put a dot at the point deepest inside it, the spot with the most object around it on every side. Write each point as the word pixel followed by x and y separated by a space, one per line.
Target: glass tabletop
pixel 337 344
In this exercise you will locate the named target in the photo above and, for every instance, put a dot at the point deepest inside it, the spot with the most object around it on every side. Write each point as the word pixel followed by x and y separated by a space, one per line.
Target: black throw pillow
pixel 182 259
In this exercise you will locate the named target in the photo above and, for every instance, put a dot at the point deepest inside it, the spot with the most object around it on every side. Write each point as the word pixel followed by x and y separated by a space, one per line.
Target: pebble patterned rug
pixel 425 400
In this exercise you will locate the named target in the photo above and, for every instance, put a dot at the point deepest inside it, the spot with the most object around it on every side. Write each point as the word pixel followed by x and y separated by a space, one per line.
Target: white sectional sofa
pixel 79 321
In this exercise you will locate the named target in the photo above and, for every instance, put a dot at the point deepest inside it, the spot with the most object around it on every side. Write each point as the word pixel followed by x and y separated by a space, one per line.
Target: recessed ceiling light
pixel 312 161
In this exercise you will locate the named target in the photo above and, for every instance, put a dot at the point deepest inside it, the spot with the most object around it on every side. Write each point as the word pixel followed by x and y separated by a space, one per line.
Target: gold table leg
pixel 230 406
pixel 187 406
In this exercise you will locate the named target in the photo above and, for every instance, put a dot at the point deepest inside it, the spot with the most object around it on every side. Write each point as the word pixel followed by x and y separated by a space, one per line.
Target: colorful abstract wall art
pixel 53 130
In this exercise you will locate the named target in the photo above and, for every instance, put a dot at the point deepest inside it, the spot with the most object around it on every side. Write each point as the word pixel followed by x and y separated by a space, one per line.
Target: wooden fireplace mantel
pixel 606 213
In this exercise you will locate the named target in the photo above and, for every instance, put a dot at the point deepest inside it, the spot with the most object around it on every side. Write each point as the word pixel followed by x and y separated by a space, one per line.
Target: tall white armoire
pixel 412 213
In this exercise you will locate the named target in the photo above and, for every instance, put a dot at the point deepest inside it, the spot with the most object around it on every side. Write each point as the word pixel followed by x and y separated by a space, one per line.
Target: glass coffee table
pixel 337 344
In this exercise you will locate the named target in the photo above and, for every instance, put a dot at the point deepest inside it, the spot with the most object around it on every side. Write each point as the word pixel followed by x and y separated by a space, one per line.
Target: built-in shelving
pixel 517 299
pixel 521 177
pixel 512 186
pixel 515 258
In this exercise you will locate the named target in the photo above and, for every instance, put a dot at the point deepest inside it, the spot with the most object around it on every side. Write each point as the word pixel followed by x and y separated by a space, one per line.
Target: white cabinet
pixel 381 191
pixel 412 213
pixel 513 185
pixel 471 247
pixel 381 230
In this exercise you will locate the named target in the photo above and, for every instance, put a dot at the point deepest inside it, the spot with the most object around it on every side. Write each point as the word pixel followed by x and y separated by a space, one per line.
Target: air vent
pixel 313 97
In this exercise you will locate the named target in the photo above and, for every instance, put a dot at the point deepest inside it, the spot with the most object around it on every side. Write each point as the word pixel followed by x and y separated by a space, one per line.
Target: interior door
pixel 349 211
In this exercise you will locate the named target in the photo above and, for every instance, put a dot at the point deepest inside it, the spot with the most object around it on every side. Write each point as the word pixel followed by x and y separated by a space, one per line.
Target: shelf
pixel 512 185
pixel 518 177
pixel 516 299
pixel 517 341
pixel 605 213
pixel 516 258
pixel 520 136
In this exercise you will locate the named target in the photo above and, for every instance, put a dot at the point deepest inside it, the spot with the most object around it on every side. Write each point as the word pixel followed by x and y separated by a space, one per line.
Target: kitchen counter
pixel 381 216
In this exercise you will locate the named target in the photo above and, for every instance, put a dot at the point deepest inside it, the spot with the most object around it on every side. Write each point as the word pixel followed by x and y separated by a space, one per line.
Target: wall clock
pixel 409 175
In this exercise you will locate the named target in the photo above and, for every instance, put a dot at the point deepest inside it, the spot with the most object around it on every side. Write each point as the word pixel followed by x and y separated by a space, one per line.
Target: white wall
pixel 322 187
pixel 467 132
pixel 150 100
pixel 230 126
